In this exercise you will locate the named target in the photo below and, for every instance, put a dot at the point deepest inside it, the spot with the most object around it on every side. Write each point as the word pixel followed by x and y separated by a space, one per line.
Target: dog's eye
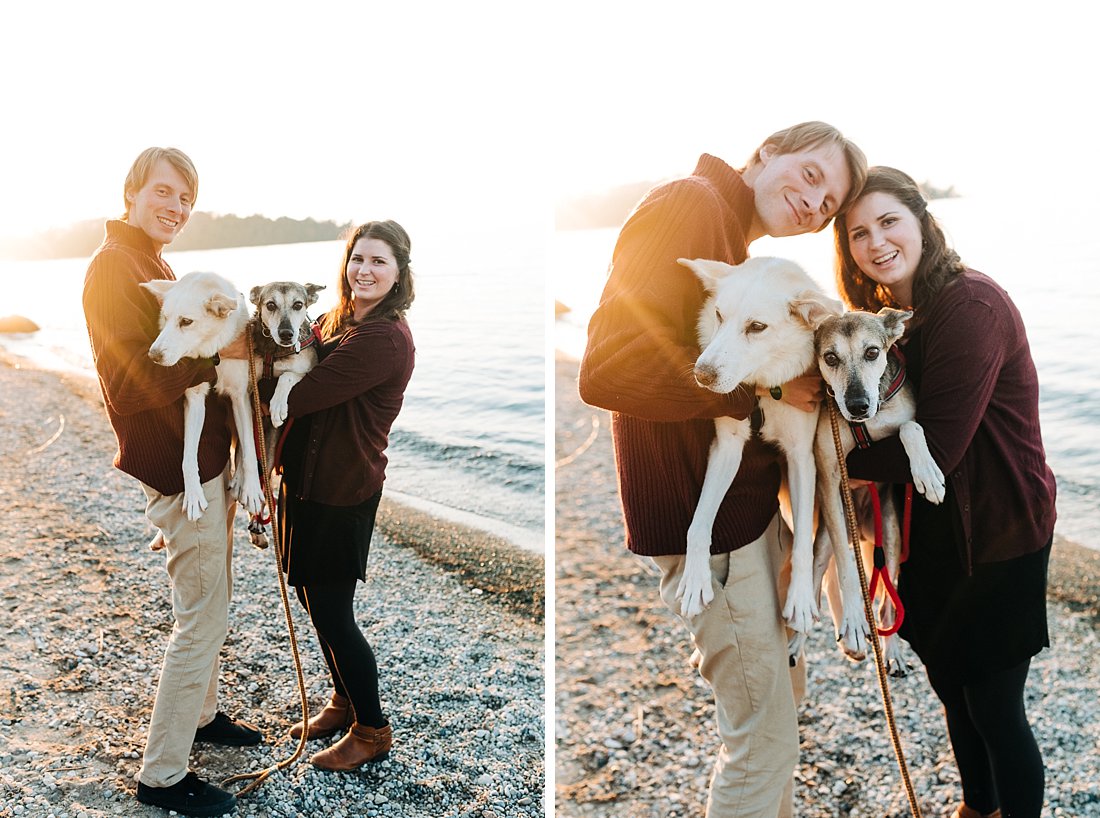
pixel 830 359
pixel 186 322
pixel 271 306
pixel 755 326
pixel 871 354
pixel 298 305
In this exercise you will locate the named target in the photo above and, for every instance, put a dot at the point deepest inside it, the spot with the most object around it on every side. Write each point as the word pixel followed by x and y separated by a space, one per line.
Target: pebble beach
pixel 634 723
pixel 455 617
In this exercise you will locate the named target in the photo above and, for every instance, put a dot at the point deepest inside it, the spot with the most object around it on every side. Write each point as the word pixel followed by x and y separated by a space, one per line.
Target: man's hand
pixel 237 348
pixel 804 392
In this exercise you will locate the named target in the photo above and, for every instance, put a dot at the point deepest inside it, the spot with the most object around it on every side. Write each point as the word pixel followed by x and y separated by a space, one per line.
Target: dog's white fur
pixel 756 328
pixel 851 351
pixel 201 314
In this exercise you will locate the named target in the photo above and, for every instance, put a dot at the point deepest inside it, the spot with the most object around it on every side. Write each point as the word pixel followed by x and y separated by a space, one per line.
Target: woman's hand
pixel 236 349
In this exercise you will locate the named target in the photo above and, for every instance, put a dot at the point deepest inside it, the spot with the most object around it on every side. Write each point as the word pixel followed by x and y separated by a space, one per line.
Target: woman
pixel 333 465
pixel 974 587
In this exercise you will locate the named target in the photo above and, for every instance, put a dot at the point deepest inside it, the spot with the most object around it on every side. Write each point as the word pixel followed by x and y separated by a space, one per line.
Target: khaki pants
pixel 199 563
pixel 742 643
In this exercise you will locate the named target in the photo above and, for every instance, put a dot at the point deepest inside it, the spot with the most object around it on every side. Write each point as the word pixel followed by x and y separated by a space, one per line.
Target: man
pixel 144 403
pixel 638 364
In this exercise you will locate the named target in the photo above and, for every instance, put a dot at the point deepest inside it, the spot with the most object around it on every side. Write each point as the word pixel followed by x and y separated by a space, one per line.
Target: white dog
pixel 866 378
pixel 756 328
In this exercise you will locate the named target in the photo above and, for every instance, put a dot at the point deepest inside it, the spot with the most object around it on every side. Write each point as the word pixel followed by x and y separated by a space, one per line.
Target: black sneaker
pixel 228 731
pixel 189 796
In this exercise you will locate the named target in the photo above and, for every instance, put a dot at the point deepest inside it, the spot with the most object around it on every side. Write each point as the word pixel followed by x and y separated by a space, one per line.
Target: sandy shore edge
pixel 501 571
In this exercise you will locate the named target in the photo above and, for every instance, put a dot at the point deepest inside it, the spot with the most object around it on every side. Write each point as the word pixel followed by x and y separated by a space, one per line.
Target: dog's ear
pixel 220 305
pixel 311 292
pixel 254 295
pixel 709 272
pixel 894 321
pixel 159 288
pixel 813 308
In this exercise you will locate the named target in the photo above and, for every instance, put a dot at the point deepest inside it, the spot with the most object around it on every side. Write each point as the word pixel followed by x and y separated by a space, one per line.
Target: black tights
pixel 348 654
pixel 998 760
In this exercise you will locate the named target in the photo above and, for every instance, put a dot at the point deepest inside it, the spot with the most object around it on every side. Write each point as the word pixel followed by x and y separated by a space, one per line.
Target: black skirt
pixel 966 627
pixel 323 543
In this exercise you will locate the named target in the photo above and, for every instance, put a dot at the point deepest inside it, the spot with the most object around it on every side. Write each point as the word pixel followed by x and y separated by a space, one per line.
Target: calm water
pixel 468 443
pixel 1053 276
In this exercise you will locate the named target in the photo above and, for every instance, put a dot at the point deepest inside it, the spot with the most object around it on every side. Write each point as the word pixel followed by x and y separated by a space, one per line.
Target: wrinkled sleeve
pixel 117 311
pixel 641 339
pixel 368 355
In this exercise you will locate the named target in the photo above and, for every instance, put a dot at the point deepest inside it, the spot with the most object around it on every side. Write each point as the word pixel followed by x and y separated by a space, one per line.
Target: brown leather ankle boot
pixel 360 745
pixel 336 716
pixel 963 811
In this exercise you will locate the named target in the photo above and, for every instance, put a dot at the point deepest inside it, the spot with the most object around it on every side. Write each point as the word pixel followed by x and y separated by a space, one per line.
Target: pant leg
pixel 197 554
pixel 210 703
pixel 743 647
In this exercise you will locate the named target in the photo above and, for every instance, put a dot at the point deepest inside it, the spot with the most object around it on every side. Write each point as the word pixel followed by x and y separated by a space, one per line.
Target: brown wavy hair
pixel 393 306
pixel 938 266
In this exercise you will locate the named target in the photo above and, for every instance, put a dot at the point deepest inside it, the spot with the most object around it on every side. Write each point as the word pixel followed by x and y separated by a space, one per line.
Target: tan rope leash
pixel 257 419
pixel 880 664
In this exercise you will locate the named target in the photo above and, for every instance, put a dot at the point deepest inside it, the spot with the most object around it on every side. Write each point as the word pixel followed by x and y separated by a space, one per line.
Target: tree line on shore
pixel 205 231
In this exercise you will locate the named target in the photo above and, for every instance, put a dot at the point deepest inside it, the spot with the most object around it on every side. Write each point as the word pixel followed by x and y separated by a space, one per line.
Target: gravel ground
pixel 634 723
pixel 86 617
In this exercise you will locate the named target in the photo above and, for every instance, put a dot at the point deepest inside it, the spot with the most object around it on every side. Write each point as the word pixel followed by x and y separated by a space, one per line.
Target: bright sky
pixel 486 112
pixel 305 109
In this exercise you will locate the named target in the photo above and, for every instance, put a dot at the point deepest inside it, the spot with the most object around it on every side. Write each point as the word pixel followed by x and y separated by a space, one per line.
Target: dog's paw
pixel 795 647
pixel 929 481
pixel 194 504
pixel 894 657
pixel 251 496
pixel 854 636
pixel 695 590
pixel 279 411
pixel 800 612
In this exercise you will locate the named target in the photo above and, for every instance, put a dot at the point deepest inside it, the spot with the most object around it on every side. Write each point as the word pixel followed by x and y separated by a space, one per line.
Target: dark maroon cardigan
pixel 978 402
pixel 144 400
pixel 351 398
pixel 638 364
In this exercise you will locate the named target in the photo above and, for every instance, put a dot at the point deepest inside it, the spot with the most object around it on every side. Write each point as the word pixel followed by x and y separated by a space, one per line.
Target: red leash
pixel 879 573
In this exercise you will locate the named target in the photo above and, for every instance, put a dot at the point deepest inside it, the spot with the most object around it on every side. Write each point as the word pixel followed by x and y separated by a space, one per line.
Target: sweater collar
pixel 730 186
pixel 125 233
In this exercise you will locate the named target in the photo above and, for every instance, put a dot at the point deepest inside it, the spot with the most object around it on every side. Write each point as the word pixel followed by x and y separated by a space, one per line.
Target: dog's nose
pixel 705 375
pixel 858 406
pixel 286 335
pixel 156 355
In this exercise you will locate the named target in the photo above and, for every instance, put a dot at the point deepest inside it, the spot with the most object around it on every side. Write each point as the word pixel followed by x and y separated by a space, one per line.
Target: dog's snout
pixel 858 405
pixel 705 375
pixel 155 355
pixel 286 335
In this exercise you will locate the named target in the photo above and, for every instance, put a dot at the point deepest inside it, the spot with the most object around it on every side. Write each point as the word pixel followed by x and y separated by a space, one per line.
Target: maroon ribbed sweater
pixel 144 401
pixel 978 403
pixel 638 364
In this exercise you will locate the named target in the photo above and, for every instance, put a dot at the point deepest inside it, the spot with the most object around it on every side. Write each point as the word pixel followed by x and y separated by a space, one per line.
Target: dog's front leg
pixel 278 406
pixel 800 610
pixel 696 586
pixel 927 477
pixel 233 382
pixel 194 415
pixel 891 545
pixel 853 630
